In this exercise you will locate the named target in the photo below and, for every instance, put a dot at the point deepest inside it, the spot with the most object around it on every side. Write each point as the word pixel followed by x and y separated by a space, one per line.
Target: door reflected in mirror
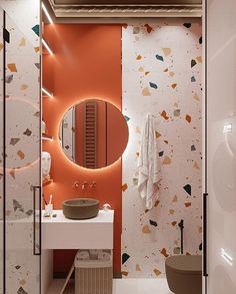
pixel 93 134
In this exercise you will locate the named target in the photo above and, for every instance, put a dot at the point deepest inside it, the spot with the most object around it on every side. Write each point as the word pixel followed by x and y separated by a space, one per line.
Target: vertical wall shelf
pixel 46 93
pixel 46 49
pixel 46 137
pixel 47 182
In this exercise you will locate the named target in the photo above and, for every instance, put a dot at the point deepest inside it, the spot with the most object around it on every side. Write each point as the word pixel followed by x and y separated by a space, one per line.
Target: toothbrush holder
pixel 49 209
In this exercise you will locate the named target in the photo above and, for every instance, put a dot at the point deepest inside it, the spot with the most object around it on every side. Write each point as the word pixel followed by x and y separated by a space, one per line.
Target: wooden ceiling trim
pixel 125 11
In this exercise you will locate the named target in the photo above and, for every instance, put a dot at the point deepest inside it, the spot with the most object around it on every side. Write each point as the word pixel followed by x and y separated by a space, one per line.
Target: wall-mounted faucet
pixel 84 185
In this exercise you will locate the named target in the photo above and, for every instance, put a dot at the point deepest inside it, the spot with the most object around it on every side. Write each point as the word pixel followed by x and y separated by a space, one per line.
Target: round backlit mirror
pixel 93 133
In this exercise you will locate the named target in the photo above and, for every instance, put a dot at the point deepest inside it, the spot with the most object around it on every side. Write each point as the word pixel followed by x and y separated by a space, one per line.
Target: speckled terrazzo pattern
pixel 162 76
pixel 23 144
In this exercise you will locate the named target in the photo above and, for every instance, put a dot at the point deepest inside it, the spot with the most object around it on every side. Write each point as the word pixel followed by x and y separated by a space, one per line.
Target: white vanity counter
pixel 62 233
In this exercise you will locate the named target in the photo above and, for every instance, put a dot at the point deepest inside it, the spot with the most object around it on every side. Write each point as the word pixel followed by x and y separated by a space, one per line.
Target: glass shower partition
pixel 1 157
pixel 21 174
pixel 221 146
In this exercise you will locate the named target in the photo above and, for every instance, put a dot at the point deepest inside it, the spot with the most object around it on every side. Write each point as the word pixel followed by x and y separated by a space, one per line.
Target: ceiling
pixel 124 2
pixel 76 10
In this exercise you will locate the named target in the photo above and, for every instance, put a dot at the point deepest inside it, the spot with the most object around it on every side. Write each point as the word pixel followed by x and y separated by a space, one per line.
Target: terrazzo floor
pixel 122 286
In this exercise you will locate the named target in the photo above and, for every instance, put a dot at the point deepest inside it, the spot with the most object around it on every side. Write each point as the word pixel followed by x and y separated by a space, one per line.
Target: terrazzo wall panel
pixel 23 142
pixel 26 15
pixel 162 76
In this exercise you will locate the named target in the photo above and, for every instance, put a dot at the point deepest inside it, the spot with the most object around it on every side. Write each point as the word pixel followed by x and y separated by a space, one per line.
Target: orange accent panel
pixel 86 64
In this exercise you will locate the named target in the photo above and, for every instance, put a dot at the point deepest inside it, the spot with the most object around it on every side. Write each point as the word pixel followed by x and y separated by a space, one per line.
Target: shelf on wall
pixel 46 93
pixel 46 137
pixel 46 47
pixel 45 52
pixel 47 181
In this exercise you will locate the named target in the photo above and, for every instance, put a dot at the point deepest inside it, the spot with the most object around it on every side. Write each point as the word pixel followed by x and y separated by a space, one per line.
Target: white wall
pixel 149 236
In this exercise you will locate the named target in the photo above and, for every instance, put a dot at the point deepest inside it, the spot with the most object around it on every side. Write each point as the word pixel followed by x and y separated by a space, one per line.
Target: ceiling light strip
pixel 47 13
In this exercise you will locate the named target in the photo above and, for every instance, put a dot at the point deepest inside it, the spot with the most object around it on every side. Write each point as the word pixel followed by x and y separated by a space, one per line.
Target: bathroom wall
pixel 86 64
pixel 161 75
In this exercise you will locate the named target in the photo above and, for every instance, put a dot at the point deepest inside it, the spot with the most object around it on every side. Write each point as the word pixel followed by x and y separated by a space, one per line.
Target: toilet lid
pixel 186 264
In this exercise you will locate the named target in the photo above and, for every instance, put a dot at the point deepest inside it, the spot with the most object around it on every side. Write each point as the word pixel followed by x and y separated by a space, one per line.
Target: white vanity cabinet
pixel 62 233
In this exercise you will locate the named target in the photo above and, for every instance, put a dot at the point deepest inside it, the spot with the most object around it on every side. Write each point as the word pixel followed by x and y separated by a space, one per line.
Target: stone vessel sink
pixel 80 208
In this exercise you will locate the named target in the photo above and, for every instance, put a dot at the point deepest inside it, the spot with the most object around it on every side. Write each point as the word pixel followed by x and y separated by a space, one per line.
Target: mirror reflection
pixel 93 134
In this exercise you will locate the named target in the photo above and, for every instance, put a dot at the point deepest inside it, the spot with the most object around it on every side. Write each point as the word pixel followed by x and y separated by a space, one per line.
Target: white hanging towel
pixel 148 177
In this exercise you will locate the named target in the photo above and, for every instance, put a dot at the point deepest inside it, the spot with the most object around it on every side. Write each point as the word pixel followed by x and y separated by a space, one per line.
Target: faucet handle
pixel 93 184
pixel 84 185
pixel 76 185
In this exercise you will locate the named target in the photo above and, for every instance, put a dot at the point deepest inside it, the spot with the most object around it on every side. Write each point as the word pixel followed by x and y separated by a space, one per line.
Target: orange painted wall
pixel 86 64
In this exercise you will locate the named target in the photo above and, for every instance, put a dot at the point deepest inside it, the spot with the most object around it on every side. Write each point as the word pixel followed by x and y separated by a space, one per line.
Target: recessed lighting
pixel 47 47
pixel 47 93
pixel 47 13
